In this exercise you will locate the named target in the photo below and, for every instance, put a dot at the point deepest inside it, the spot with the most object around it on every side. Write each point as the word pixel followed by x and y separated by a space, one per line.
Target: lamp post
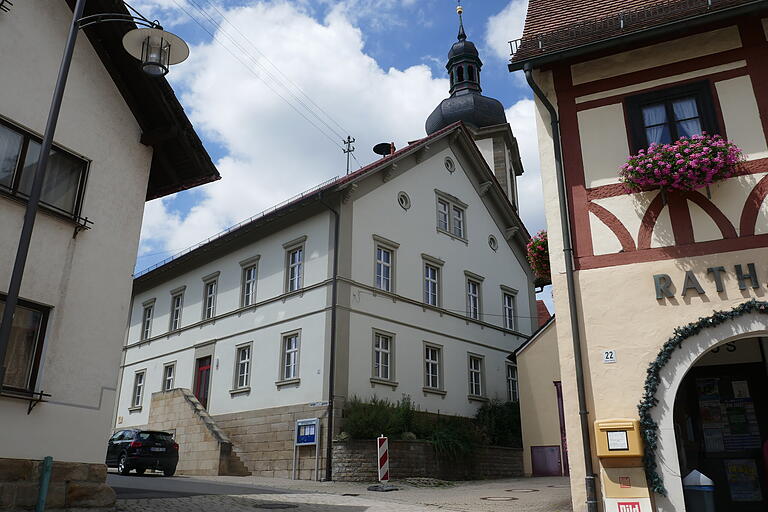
pixel 157 50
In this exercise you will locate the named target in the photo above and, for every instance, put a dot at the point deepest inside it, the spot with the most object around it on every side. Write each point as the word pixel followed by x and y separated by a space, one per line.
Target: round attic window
pixel 449 165
pixel 403 200
pixel 493 243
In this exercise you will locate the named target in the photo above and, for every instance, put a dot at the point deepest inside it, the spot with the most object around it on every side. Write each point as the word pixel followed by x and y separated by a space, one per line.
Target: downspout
pixel 332 362
pixel 565 225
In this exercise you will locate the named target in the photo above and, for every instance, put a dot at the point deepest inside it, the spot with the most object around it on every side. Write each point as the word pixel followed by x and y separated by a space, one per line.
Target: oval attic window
pixel 493 243
pixel 403 200
pixel 449 164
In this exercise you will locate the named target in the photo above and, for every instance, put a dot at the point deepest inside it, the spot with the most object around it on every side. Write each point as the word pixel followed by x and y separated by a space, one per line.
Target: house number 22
pixel 609 356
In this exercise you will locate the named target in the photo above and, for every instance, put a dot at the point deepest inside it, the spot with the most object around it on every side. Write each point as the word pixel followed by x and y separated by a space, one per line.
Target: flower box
pixel 538 256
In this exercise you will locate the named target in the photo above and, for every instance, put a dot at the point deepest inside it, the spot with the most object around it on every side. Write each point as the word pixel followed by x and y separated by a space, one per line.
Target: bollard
pixel 383 459
pixel 45 478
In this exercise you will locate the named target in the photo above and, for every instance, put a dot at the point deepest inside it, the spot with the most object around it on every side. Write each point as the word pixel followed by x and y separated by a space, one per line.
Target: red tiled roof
pixel 542 312
pixel 555 25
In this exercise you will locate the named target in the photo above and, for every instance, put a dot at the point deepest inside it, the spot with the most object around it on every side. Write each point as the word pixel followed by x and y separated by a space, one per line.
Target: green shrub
pixel 499 423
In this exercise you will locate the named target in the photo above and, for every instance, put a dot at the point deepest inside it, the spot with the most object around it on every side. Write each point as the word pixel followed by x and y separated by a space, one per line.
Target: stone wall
pixel 355 461
pixel 204 449
pixel 264 439
pixel 73 485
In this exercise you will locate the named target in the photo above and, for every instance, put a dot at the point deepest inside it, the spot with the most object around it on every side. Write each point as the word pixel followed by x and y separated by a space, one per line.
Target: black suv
pixel 142 450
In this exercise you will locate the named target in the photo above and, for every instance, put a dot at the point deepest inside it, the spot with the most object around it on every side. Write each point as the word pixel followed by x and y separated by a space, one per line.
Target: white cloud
pixel 506 26
pixel 521 117
pixel 271 152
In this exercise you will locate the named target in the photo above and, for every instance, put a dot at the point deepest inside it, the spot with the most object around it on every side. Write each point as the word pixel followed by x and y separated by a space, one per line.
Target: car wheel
pixel 122 465
pixel 169 471
pixel 140 471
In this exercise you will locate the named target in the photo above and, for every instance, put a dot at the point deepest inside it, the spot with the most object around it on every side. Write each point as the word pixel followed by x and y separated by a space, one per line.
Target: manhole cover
pixel 522 490
pixel 274 506
pixel 498 498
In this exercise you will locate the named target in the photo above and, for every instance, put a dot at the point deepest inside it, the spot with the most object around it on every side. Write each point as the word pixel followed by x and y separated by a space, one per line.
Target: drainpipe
pixel 568 253
pixel 332 362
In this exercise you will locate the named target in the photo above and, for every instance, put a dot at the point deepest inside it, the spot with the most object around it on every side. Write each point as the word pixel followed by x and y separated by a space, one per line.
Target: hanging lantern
pixel 156 49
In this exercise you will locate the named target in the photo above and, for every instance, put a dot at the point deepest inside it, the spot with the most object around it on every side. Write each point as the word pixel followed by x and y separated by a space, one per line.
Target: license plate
pixel 157 449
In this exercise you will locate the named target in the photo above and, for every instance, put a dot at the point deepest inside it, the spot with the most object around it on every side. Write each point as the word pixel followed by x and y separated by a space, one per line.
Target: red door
pixel 203 380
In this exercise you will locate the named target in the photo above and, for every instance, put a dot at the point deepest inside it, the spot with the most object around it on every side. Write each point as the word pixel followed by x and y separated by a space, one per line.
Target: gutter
pixel 565 225
pixel 332 357
pixel 648 33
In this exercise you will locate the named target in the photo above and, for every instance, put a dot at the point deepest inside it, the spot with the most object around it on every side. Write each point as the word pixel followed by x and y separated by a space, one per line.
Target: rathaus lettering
pixel 746 278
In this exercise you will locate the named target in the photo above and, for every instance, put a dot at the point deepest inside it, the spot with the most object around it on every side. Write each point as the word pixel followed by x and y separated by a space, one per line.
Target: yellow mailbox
pixel 618 438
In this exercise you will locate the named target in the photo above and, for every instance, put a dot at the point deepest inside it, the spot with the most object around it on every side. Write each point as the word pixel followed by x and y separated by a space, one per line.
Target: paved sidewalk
pixel 519 495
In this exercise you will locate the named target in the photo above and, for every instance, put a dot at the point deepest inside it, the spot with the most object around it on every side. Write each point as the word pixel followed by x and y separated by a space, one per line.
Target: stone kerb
pixel 73 486
pixel 204 449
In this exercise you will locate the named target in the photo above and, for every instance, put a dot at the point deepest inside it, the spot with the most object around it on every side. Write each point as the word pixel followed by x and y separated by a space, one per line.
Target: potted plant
pixel 538 257
pixel 688 164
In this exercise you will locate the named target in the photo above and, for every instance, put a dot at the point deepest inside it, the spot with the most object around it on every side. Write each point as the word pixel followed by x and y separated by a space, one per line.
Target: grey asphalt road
pixel 151 486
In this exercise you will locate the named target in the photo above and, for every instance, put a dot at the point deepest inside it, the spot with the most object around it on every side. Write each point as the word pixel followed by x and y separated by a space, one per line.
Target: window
pixel 290 365
pixel 243 367
pixel 138 389
pixel 431 284
pixel 383 268
pixel 177 302
pixel 22 357
pixel 294 264
pixel 473 299
pixel 432 367
pixel 475 375
pixel 64 179
pixel 382 356
pixel 146 320
pixel 249 285
pixel 664 116
pixel 209 298
pixel 509 310
pixel 512 391
pixel 451 215
pixel 169 374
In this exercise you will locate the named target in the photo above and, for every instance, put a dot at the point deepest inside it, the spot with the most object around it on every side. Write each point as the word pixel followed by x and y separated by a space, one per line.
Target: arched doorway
pixel 721 423
pixel 667 375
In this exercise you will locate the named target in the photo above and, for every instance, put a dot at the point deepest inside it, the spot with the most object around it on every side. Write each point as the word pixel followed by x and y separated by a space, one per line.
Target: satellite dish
pixel 383 149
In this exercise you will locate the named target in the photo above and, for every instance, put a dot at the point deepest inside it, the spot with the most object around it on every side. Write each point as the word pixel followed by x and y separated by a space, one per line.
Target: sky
pixel 273 86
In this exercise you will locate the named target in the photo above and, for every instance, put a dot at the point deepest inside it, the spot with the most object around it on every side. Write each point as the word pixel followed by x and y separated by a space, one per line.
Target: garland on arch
pixel 649 427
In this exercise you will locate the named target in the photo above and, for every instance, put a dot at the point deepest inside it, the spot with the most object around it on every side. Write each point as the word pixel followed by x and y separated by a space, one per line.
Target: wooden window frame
pixel 37 355
pixel 147 320
pixel 379 242
pixel 163 385
pixel 246 266
pixel 479 371
pixel 291 247
pixel 284 337
pixel 454 204
pixel 137 404
pixel 513 397
pixel 439 362
pixel 236 386
pixel 174 321
pixel 210 279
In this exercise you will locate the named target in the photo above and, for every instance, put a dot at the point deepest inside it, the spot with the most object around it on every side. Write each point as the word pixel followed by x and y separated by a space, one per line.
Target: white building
pixel 434 292
pixel 122 138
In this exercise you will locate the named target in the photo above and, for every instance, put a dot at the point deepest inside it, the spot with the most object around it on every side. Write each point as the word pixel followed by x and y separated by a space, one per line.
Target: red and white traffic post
pixel 383 445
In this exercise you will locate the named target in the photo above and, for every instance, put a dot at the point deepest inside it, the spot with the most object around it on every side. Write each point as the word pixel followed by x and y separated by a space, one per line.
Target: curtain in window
pixel 10 145
pixel 687 117
pixel 61 178
pixel 655 122
pixel 23 345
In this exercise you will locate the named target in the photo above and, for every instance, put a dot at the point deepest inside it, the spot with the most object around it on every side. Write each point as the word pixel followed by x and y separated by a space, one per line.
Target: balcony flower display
pixel 689 163
pixel 538 255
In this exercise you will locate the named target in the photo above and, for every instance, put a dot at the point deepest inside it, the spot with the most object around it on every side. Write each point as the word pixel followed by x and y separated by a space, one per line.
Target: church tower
pixel 484 116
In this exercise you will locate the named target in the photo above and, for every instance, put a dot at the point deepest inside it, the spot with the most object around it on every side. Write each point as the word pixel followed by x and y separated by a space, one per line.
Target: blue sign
pixel 307 431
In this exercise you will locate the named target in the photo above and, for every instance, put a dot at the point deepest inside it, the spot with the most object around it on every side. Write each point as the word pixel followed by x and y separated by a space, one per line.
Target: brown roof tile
pixel 543 312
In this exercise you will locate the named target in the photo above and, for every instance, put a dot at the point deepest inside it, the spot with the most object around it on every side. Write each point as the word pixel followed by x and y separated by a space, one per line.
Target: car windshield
pixel 155 436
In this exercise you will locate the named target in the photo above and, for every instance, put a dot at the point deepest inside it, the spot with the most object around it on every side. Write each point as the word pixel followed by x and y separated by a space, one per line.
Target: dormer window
pixel 460 74
pixel 471 73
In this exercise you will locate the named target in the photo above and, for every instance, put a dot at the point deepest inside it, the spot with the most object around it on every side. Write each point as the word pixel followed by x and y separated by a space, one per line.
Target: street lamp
pixel 157 50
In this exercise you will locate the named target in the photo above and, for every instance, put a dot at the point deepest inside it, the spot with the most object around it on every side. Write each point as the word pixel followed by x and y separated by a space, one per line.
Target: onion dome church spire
pixel 465 103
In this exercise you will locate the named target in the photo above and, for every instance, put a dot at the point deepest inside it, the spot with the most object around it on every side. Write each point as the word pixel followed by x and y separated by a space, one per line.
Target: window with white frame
pixel 509 310
pixel 512 391
pixel 451 215
pixel 138 389
pixel 169 376
pixel 475 375
pixel 177 303
pixel 473 299
pixel 382 356
pixel 249 285
pixel 243 367
pixel 295 268
pixel 432 362
pixel 146 320
pixel 384 264
pixel 290 363
pixel 431 284
pixel 209 298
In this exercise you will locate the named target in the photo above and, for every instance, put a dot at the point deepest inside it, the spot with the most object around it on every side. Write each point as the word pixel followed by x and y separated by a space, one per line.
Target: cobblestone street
pixel 523 495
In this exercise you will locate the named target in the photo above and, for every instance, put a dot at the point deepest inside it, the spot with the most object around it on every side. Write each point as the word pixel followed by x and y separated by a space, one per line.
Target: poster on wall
pixel 743 480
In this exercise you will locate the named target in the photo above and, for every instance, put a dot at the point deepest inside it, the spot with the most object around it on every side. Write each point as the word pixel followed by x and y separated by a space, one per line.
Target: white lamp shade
pixel 133 42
